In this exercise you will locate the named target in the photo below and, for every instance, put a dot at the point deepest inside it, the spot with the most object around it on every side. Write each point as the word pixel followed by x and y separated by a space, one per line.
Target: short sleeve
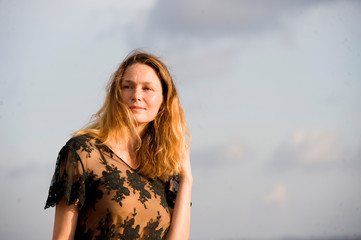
pixel 171 190
pixel 68 181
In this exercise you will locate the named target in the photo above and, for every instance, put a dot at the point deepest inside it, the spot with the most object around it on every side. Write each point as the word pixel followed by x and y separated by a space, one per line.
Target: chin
pixel 142 121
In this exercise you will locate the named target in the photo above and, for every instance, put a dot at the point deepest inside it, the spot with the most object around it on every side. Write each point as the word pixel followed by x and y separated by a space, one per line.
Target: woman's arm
pixel 66 217
pixel 181 217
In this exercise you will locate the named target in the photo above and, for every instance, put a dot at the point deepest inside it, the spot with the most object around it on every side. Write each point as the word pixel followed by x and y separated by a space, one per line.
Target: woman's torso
pixel 115 202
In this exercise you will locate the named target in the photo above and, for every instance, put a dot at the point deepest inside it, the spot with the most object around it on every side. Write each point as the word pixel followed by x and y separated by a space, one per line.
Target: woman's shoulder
pixel 82 143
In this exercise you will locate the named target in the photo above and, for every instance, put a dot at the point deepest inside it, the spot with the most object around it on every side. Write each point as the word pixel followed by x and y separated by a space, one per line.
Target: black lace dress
pixel 115 202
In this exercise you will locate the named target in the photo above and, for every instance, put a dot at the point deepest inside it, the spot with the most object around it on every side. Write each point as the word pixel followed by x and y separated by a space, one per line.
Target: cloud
pixel 220 18
pixel 278 195
pixel 317 150
pixel 314 147
pixel 233 153
pixel 235 150
pixel 109 4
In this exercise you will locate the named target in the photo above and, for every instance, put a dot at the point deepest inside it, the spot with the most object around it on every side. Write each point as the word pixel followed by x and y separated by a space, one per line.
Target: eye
pixel 147 89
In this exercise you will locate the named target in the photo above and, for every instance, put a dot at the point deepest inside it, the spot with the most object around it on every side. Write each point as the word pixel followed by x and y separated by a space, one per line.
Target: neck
pixel 125 149
pixel 130 142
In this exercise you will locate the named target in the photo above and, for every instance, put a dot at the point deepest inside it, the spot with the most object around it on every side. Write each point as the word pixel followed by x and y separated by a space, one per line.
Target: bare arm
pixel 181 217
pixel 66 217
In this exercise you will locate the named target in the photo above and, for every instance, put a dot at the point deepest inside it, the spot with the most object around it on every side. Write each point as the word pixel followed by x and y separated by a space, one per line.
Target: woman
pixel 127 175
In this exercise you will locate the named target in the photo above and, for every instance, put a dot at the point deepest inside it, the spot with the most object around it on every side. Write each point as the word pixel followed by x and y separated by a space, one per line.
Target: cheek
pixel 124 95
pixel 159 103
pixel 155 101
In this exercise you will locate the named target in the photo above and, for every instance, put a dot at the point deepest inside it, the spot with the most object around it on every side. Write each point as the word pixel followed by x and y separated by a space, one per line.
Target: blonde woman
pixel 127 174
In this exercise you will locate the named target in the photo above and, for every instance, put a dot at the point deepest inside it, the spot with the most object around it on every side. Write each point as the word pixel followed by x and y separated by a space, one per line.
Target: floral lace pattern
pixel 115 202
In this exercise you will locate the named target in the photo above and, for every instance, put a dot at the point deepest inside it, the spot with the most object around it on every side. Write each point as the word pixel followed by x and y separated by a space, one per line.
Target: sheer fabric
pixel 114 201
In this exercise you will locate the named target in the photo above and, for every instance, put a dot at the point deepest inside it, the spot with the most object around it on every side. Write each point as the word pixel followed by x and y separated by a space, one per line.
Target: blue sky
pixel 271 92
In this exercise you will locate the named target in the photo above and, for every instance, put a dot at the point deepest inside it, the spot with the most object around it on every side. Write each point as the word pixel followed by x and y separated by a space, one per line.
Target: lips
pixel 136 108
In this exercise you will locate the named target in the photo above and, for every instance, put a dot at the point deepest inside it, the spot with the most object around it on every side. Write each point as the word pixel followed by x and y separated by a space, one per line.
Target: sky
pixel 271 91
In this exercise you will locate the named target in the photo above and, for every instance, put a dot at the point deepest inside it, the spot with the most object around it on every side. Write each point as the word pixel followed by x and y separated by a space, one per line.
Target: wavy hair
pixel 159 150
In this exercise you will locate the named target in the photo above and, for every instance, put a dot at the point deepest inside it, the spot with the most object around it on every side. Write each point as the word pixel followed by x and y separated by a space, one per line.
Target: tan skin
pixel 142 91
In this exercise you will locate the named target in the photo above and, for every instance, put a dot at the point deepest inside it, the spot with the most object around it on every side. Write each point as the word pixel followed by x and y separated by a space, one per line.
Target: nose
pixel 137 94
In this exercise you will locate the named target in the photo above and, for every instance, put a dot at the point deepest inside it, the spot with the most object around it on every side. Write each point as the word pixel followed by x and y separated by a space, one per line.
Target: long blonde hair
pixel 160 149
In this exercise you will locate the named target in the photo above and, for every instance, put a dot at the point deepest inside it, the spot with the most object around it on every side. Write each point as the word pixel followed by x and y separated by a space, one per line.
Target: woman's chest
pixel 119 198
pixel 113 186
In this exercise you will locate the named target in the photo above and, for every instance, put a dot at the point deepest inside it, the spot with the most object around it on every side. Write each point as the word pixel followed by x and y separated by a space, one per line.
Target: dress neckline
pixel 112 152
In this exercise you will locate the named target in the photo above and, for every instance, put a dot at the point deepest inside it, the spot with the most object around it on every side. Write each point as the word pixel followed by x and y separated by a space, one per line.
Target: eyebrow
pixel 131 81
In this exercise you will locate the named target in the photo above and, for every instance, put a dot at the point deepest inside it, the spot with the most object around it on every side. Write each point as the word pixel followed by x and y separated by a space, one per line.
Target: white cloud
pixel 313 147
pixel 235 150
pixel 322 150
pixel 278 195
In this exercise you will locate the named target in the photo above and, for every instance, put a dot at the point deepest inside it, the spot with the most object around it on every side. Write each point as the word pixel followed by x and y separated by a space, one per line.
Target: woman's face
pixel 142 92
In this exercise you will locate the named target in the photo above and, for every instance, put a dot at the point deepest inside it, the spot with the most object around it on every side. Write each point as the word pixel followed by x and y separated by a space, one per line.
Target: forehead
pixel 139 72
